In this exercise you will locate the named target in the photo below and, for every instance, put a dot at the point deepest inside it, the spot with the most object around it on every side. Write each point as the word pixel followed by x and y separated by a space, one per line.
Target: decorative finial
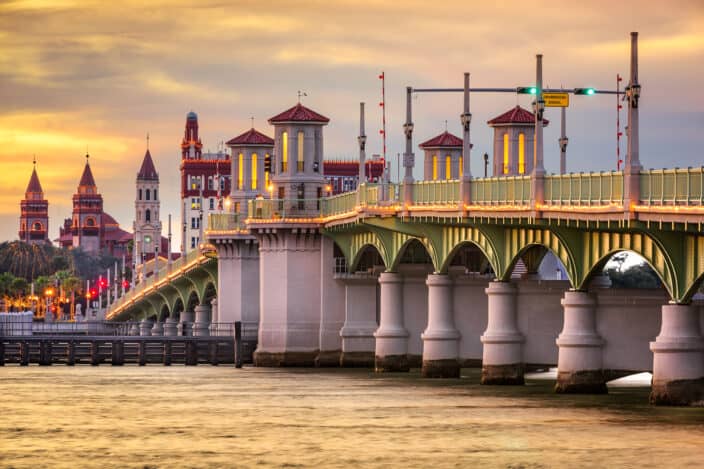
pixel 445 125
pixel 147 141
pixel 301 93
pixel 252 119
pixel 34 160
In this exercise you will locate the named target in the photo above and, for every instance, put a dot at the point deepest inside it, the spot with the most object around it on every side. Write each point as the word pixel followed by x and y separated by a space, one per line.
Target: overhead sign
pixel 556 99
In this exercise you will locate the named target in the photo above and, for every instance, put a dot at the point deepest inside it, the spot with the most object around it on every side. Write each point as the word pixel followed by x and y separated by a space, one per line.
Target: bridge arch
pixel 359 242
pixel 409 250
pixel 453 239
pixel 192 300
pixel 362 253
pixel 177 309
pixel 599 247
pixel 164 312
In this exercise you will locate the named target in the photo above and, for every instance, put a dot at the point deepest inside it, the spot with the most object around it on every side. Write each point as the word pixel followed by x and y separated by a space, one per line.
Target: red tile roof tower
pixel 34 217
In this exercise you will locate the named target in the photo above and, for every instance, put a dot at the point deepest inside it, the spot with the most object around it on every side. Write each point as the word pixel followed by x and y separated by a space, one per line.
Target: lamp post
pixel 486 164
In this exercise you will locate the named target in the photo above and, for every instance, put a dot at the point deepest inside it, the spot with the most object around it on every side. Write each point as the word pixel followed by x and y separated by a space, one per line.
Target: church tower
pixel 147 226
pixel 34 217
pixel 87 216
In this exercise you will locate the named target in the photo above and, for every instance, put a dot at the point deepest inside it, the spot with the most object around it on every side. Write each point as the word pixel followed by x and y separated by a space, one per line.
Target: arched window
pixel 155 198
pixel 254 171
pixel 148 215
pixel 284 151
pixel 505 153
pixel 37 226
pixel 147 193
pixel 448 167
pixel 240 171
pixel 521 153
pixel 139 215
pixel 461 169
pixel 140 194
pixel 210 183
pixel 435 167
pixel 90 222
pixel 301 136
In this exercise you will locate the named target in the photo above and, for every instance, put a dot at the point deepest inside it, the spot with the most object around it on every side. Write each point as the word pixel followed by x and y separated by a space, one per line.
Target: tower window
pixel 155 197
pixel 301 160
pixel 212 204
pixel 461 169
pixel 505 153
pixel 240 171
pixel 148 213
pixel 448 167
pixel 37 226
pixel 435 167
pixel 210 183
pixel 521 153
pixel 284 151
pixel 140 194
pixel 147 194
pixel 254 171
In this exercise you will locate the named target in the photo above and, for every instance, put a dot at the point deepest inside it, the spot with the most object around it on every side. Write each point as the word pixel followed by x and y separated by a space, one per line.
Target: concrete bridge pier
pixel 357 333
pixel 145 327
pixel 185 326
pixel 391 352
pixel 201 326
pixel 678 358
pixel 579 365
pixel 170 327
pixel 440 338
pixel 502 357
pixel 332 308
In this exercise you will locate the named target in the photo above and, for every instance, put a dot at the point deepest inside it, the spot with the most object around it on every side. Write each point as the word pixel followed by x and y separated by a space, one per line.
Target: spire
pixel 148 171
pixel 34 186
pixel 87 178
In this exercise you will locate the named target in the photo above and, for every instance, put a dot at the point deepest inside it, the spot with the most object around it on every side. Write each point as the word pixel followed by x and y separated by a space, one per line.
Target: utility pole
pixel 168 258
pixel 633 167
pixel 466 120
pixel 408 156
pixel 536 186
pixel 563 141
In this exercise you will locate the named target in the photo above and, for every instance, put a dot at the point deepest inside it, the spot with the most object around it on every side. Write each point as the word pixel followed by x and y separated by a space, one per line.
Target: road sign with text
pixel 556 99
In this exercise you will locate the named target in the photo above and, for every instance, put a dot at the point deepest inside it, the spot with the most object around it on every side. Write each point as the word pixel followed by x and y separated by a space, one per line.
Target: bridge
pixel 424 273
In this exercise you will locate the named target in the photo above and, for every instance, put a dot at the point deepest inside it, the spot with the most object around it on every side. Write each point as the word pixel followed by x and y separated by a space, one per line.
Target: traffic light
pixel 125 284
pixel 585 91
pixel 527 90
pixel 103 283
pixel 267 163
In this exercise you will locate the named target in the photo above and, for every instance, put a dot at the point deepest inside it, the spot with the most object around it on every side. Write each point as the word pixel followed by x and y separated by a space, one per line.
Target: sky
pixel 98 76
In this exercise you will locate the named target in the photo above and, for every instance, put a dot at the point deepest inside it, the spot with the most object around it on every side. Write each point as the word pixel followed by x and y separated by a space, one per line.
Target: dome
pixel 192 116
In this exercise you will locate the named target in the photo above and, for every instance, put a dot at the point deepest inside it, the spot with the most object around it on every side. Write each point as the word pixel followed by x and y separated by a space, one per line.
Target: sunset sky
pixel 100 75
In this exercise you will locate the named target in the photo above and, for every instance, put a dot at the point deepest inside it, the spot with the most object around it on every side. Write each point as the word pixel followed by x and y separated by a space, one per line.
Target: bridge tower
pixel 34 217
pixel 147 225
pixel 298 161
pixel 443 157
pixel 514 133
pixel 250 151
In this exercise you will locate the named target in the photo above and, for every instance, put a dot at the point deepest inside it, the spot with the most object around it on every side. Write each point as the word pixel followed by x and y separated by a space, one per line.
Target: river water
pixel 223 417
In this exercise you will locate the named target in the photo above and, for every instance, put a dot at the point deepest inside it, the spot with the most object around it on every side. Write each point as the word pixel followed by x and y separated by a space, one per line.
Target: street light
pixel 486 164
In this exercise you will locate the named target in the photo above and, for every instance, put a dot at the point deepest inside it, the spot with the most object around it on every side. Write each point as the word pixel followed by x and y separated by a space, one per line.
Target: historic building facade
pixel 34 212
pixel 147 224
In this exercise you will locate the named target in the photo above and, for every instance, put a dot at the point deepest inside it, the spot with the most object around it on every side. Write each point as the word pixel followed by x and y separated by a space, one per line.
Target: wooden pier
pixel 122 350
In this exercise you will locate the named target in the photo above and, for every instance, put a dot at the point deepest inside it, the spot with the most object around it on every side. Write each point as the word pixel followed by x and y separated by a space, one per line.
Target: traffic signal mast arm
pixel 518 89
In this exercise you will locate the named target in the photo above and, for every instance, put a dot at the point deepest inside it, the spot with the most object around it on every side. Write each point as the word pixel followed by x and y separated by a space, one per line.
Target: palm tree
pixel 71 285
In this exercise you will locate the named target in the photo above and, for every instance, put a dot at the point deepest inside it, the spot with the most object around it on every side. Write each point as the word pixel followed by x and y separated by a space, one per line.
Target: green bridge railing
pixel 601 188
pixel 672 186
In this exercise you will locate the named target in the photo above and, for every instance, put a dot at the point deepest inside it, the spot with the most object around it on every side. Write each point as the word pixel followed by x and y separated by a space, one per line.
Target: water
pixel 222 417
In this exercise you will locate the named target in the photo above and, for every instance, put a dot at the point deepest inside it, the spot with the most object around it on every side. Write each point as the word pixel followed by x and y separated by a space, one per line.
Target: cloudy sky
pixel 100 75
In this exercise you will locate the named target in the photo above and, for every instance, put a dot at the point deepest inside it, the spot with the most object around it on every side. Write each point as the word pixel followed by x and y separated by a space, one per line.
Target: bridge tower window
pixel 521 153
pixel 435 167
pixel 254 171
pixel 284 151
pixel 448 167
pixel 300 151
pixel 506 154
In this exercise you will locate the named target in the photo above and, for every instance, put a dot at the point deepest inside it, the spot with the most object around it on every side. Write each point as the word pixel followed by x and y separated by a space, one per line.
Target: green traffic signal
pixel 527 90
pixel 585 91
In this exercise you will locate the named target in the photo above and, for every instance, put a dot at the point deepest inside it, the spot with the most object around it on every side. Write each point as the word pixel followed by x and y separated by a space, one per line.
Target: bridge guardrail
pixel 679 186
pixel 445 192
pixel 598 188
pixel 340 203
pixel 224 222
pixel 513 190
pixel 106 328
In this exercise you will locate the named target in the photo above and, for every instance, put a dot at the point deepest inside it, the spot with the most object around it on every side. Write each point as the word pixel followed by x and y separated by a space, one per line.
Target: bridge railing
pixel 598 188
pixel 509 190
pixel 151 280
pixel 273 209
pixel 224 222
pixel 445 192
pixel 672 186
pixel 340 203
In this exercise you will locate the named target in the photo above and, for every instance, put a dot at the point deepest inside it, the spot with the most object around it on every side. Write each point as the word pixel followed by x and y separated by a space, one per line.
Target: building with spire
pixel 34 212
pixel 147 224
pixel 90 228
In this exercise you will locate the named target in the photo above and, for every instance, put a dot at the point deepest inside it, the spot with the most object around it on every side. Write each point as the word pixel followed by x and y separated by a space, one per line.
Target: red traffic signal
pixel 125 284
pixel 103 283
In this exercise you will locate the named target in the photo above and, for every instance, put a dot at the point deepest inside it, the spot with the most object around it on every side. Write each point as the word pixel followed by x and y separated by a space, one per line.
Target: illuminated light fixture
pixel 585 91
pixel 527 90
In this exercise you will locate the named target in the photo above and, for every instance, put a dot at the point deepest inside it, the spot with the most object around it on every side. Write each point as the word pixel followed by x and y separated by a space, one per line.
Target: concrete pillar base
pixel 328 359
pixel 682 392
pixel 357 359
pixel 445 368
pixel 678 358
pixel 391 363
pixel 285 359
pixel 503 374
pixel 581 382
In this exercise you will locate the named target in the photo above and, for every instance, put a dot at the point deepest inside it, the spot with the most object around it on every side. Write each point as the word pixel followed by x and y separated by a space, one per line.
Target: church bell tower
pixel 147 226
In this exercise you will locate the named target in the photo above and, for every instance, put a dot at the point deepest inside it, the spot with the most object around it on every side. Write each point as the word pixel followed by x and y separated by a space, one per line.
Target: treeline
pixel 31 261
